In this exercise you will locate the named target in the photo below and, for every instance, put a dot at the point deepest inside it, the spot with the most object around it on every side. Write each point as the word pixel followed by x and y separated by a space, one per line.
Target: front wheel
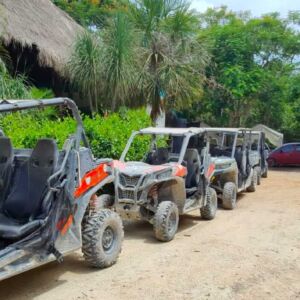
pixel 102 237
pixel 208 212
pixel 229 195
pixel 252 187
pixel 165 222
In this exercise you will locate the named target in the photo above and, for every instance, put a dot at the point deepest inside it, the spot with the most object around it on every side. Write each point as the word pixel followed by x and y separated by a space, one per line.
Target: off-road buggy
pixel 230 151
pixel 258 154
pixel 171 179
pixel 46 200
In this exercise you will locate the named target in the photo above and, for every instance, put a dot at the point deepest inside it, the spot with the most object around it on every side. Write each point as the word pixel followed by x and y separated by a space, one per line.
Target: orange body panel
pixel 180 171
pixel 210 170
pixel 91 179
pixel 88 181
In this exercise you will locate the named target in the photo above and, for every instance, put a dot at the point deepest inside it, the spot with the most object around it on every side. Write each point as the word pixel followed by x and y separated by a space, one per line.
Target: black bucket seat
pixel 159 157
pixel 22 209
pixel 193 168
pixel 6 166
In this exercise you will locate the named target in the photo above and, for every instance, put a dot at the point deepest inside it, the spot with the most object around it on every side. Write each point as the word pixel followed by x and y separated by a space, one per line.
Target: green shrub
pixel 26 128
pixel 107 135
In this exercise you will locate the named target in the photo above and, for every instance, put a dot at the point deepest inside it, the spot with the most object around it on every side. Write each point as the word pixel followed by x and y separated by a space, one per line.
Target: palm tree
pixel 120 53
pixel 105 64
pixel 174 62
pixel 152 51
pixel 84 67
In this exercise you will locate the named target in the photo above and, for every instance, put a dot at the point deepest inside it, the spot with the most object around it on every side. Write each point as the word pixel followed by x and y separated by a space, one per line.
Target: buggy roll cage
pixel 234 132
pixel 19 105
pixel 186 134
pixel 44 237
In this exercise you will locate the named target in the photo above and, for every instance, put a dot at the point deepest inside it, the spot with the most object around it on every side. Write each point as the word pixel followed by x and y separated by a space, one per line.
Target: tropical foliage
pixel 253 76
pixel 107 135
pixel 149 51
pixel 17 87
pixel 220 67
pixel 91 13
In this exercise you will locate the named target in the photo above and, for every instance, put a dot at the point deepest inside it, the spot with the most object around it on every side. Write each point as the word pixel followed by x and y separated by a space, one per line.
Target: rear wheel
pixel 252 187
pixel 258 172
pixel 265 174
pixel 165 222
pixel 102 237
pixel 229 195
pixel 208 211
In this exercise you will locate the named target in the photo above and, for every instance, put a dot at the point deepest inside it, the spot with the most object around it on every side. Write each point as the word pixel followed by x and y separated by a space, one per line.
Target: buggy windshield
pixel 154 149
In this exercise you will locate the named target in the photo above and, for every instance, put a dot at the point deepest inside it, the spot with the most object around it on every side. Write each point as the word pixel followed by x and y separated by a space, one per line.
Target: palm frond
pixel 120 54
pixel 84 67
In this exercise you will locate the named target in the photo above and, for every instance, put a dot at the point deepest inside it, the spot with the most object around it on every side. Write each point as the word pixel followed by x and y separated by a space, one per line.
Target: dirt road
pixel 252 252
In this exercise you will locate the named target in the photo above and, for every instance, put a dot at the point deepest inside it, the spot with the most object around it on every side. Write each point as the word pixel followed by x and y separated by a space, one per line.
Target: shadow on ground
pixel 144 230
pixel 48 276
pixel 38 281
pixel 292 169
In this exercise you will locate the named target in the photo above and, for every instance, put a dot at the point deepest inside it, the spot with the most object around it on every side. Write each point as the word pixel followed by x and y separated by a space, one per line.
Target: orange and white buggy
pixel 47 200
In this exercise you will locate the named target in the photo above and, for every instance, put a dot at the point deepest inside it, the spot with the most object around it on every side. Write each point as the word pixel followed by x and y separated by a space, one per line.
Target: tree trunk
pixel 91 102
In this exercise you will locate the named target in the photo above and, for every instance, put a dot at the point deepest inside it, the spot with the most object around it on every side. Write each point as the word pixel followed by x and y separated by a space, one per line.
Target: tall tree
pixel 92 13
pixel 120 63
pixel 174 61
pixel 105 64
pixel 253 61
pixel 84 67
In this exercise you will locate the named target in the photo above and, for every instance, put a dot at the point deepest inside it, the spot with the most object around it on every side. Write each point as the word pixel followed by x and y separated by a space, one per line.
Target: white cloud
pixel 201 5
pixel 257 7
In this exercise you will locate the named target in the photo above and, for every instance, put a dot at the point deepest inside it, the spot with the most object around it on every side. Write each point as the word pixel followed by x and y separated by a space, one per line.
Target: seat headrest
pixel 45 154
pixel 6 150
pixel 191 153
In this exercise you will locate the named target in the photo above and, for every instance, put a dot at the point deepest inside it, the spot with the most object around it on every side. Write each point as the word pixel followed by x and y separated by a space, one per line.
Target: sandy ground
pixel 252 252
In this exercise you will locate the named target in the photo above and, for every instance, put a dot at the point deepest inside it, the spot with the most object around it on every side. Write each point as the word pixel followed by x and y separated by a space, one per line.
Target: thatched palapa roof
pixel 39 23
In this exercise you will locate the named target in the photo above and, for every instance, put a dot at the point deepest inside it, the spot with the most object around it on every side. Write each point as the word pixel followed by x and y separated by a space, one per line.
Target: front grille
pixel 126 194
pixel 131 181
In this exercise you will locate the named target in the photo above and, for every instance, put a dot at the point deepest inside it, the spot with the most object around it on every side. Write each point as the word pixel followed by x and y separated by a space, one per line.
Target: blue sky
pixel 257 7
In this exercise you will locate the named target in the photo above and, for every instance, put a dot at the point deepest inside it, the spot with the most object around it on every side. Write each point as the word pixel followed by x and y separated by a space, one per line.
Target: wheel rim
pixel 172 222
pixel 108 239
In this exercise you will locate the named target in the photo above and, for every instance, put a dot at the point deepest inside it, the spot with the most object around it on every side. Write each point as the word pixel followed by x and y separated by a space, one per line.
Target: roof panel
pixel 171 131
pixel 225 129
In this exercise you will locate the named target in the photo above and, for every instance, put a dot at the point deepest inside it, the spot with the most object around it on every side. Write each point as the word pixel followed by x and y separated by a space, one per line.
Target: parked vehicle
pixel 230 151
pixel 287 154
pixel 173 178
pixel 47 197
pixel 259 152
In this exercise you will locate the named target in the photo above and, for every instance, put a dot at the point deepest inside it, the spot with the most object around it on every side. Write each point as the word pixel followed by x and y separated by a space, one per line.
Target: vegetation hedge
pixel 107 135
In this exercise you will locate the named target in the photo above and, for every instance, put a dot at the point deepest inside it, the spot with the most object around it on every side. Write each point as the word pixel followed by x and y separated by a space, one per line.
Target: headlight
pixel 222 166
pixel 163 175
